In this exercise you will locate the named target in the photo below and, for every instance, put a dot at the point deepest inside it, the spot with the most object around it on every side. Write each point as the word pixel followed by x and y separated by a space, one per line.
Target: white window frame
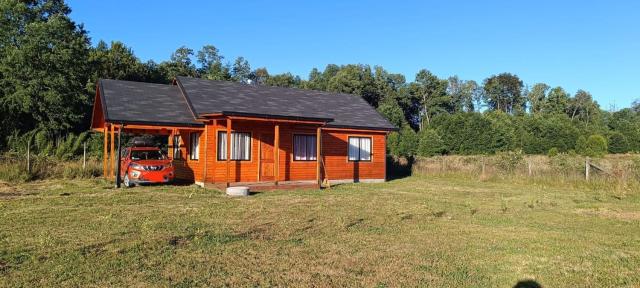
pixel 222 144
pixel 194 146
pixel 307 156
pixel 356 151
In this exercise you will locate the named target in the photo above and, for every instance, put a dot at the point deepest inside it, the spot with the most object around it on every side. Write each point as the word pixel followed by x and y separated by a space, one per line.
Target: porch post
pixel 105 152
pixel 228 151
pixel 276 153
pixel 206 141
pixel 318 156
pixel 112 157
pixel 215 144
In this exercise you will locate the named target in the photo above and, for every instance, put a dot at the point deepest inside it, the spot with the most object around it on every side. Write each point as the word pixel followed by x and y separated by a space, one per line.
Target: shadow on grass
pixel 527 284
pixel 399 167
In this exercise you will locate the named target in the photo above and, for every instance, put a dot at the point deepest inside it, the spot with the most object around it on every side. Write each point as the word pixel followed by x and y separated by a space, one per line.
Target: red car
pixel 145 165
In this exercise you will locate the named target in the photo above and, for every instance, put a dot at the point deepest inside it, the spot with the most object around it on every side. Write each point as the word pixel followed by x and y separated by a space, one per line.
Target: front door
pixel 266 157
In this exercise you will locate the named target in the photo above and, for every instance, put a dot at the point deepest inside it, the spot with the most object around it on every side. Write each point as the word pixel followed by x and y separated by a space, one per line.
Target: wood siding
pixel 334 150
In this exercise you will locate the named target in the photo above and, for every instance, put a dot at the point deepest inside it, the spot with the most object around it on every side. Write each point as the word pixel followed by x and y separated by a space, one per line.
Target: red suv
pixel 142 165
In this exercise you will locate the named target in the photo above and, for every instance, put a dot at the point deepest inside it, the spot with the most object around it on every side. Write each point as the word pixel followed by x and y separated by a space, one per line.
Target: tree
pixel 537 97
pixel 180 64
pixel 618 143
pixel 635 106
pixel 557 101
pixel 43 68
pixel 582 107
pixel 259 76
pixel 241 70
pixel 429 93
pixel 408 142
pixel 283 80
pixel 354 79
pixel 504 92
pixel 390 109
pixel 211 66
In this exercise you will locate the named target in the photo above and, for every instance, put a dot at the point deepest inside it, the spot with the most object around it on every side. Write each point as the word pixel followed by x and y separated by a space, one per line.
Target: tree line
pixel 49 69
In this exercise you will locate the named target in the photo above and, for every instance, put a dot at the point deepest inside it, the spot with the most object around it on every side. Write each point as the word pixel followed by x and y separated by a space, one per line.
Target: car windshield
pixel 146 155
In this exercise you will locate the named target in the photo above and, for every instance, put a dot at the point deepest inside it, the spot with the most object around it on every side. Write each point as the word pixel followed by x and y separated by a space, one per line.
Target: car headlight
pixel 136 166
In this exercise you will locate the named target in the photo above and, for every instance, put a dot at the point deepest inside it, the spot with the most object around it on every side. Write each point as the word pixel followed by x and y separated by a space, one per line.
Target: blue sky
pixel 590 45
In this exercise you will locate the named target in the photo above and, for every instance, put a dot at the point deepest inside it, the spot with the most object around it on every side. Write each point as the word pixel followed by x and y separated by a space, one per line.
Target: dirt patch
pixel 612 214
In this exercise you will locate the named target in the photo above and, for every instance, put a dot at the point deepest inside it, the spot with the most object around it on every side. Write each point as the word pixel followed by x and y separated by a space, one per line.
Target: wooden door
pixel 267 164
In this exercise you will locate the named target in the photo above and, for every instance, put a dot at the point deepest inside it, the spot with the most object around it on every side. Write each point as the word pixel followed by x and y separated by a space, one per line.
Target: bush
pixel 509 161
pixel 553 152
pixel 408 142
pixel 618 143
pixel 13 168
pixel 430 143
pixel 594 146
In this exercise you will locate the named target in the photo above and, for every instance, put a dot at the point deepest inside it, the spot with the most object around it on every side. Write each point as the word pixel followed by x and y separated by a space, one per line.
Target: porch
pixel 261 153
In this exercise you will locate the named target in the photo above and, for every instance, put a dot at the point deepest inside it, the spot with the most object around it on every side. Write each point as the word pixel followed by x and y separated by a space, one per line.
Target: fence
pixel 621 168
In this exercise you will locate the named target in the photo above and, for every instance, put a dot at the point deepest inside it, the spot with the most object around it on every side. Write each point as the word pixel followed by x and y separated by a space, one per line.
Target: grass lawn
pixel 417 231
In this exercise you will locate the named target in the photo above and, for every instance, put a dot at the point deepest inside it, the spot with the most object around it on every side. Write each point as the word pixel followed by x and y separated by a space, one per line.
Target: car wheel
pixel 127 183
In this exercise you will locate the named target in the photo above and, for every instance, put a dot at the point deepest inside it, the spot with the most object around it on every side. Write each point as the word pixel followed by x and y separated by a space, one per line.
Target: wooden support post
pixel 215 144
pixel 105 154
pixel 587 167
pixel 29 156
pixel 529 167
pixel 206 142
pixel 84 155
pixel 228 151
pixel 318 156
pixel 112 158
pixel 276 153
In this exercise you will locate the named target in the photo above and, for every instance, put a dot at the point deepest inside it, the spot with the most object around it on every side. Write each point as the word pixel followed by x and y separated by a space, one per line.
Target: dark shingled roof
pixel 177 105
pixel 345 110
pixel 144 103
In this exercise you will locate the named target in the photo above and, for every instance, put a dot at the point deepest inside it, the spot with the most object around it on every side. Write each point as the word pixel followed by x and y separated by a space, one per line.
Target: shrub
pixel 553 152
pixel 594 146
pixel 430 143
pixel 618 143
pixel 408 142
pixel 509 161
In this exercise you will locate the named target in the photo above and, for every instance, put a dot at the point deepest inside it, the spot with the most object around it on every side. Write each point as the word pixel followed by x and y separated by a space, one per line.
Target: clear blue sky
pixel 590 45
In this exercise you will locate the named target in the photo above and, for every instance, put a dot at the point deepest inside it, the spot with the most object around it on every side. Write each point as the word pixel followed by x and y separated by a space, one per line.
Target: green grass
pixel 417 231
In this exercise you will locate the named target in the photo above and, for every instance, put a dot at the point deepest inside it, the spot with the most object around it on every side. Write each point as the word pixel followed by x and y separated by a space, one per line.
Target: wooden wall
pixel 334 143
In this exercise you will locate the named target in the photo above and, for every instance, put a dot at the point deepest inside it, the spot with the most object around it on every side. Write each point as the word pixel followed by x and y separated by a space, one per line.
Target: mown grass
pixel 442 230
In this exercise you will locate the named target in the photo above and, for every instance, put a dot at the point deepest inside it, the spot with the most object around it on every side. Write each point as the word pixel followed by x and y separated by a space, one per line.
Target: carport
pixel 160 111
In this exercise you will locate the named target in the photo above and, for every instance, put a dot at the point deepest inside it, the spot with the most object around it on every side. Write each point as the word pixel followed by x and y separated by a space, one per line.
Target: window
pixel 359 149
pixel 304 147
pixel 194 145
pixel 240 146
pixel 176 147
pixel 146 155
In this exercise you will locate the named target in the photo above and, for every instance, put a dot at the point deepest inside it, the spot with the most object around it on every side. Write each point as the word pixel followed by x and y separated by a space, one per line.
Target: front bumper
pixel 149 177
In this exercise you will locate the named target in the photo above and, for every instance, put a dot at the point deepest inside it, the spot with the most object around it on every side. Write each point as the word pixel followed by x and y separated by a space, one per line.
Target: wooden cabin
pixel 277 136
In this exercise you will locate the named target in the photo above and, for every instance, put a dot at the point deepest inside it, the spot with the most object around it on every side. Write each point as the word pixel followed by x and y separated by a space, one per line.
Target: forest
pixel 48 71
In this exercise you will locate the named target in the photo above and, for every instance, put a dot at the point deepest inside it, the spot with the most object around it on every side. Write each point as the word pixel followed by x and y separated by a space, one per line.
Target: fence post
pixel 29 156
pixel 443 165
pixel 482 166
pixel 587 167
pixel 529 167
pixel 84 155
